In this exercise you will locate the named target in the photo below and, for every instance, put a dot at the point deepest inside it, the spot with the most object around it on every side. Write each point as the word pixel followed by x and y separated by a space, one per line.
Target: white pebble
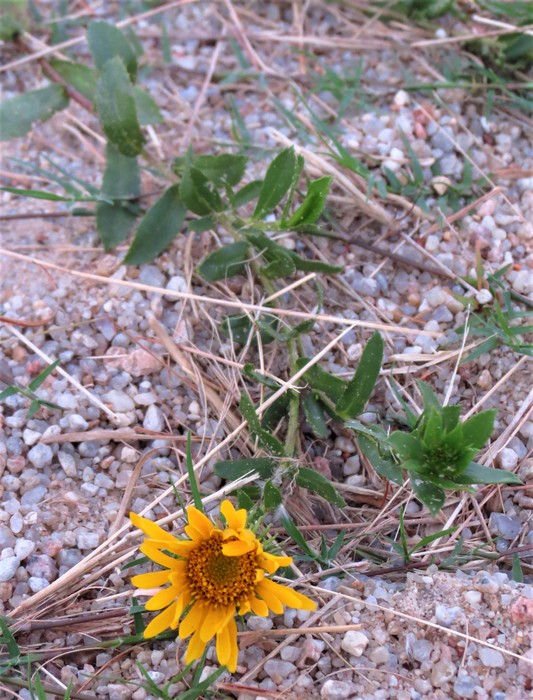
pixel 36 583
pixel 87 540
pixel 472 597
pixel 30 437
pixel 507 459
pixel 40 456
pixel 491 657
pixel 354 642
pixel 8 568
pixel 23 548
pixel 118 401
pixel 154 420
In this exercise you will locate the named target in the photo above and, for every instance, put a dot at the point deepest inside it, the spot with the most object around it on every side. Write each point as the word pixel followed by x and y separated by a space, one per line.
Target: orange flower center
pixel 218 579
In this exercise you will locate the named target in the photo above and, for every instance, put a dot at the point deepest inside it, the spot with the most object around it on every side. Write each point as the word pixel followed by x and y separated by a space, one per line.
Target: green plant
pixel 402 546
pixel 29 391
pixel 437 452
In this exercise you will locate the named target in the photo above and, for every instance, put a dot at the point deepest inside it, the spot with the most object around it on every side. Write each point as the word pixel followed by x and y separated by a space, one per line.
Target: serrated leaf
pixel 357 393
pixel 18 115
pixel 107 42
pixel 477 474
pixel 116 108
pixel 147 110
pixel 272 497
pixel 233 469
pixel 314 414
pixel 158 228
pixel 313 481
pixel 265 439
pixel 450 417
pixel 223 170
pixel 228 261
pixel 322 381
pixel 432 431
pixel 277 183
pixel 478 429
pixel 430 495
pixel 313 204
pixel 80 77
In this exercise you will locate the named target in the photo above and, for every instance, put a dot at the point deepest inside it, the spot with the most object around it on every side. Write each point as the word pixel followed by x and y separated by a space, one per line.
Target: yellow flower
pixel 211 577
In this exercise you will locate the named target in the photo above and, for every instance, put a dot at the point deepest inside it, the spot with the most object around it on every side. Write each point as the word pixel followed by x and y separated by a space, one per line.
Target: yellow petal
pixel 181 547
pixel 150 528
pixel 231 630
pixel 236 519
pixel 245 607
pixel 199 522
pixel 223 646
pixel 259 607
pixel 237 548
pixel 286 596
pixel 152 580
pixel 269 596
pixel 160 623
pixel 195 649
pixel 156 555
pixel 192 621
pixel 181 604
pixel 215 619
pixel 161 599
pixel 272 562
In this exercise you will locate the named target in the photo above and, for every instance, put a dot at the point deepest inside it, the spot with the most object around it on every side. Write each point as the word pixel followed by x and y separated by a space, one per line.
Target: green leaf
pixel 247 193
pixel 116 108
pixel 478 429
pixel 13 18
pixel 322 381
pixel 113 223
pixel 42 376
pixel 314 414
pixel 297 536
pixel 265 439
pixel 147 110
pixel 382 461
pixel 228 261
pixel 198 193
pixel 431 538
pixel 280 263
pixel 450 417
pixel 250 372
pixel 313 481
pixel 312 206
pixel 223 170
pixel 121 176
pixel 106 43
pixel 517 573
pixel 8 639
pixel 432 429
pixel 233 469
pixel 313 265
pixel 356 395
pixel 239 327
pixel 432 496
pixel 428 397
pixel 407 446
pixel 158 228
pixel 272 497
pixel 206 223
pixel 276 412
pixel 277 183
pixel 477 474
pixel 18 114
pixel 80 77
pixel 40 194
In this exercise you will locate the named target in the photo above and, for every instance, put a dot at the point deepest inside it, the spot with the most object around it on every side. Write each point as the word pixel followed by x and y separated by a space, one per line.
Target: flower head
pixel 209 578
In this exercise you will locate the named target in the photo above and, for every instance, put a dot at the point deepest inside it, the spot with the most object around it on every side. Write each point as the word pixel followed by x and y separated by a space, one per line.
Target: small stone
pixel 118 401
pixel 129 455
pixel 351 466
pixel 8 568
pixel 395 160
pixel 380 656
pixel 259 623
pixel 464 687
pixel 34 495
pixel 523 282
pixel 442 672
pixel 23 548
pixel 177 284
pixel 152 276
pixel 506 526
pixel 7 539
pixel 77 422
pixel 472 597
pixel 154 419
pixel 354 642
pixel 37 584
pixel 344 444
pixel 445 616
pixel 491 657
pixel 30 437
pixel 401 98
pixel 278 670
pixel 483 296
pixel 66 400
pixel 290 653
pixel 507 459
pixel 421 649
pixel 42 566
pixel 68 463
pixel 441 184
pixel 16 523
pixel 40 456
pixel 337 690
pixel 103 481
pixel 87 540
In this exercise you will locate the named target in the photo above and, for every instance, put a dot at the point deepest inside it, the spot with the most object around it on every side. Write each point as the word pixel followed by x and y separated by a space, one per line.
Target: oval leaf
pixel 107 42
pixel 116 108
pixel 313 481
pixel 277 182
pixel 360 388
pixel 160 225
pixel 228 261
pixel 18 115
pixel 313 205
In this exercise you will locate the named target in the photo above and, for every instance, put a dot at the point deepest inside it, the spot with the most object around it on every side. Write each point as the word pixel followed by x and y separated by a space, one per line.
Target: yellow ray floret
pixel 212 576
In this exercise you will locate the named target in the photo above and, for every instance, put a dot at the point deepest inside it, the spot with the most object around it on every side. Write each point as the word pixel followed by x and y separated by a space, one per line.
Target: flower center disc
pixel 216 578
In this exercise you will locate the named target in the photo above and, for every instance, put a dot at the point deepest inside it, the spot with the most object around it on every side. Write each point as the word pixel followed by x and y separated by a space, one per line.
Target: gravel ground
pixel 424 634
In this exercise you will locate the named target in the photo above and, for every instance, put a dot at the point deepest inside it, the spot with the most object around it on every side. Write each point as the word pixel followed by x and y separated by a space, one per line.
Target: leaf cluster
pixel 437 452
